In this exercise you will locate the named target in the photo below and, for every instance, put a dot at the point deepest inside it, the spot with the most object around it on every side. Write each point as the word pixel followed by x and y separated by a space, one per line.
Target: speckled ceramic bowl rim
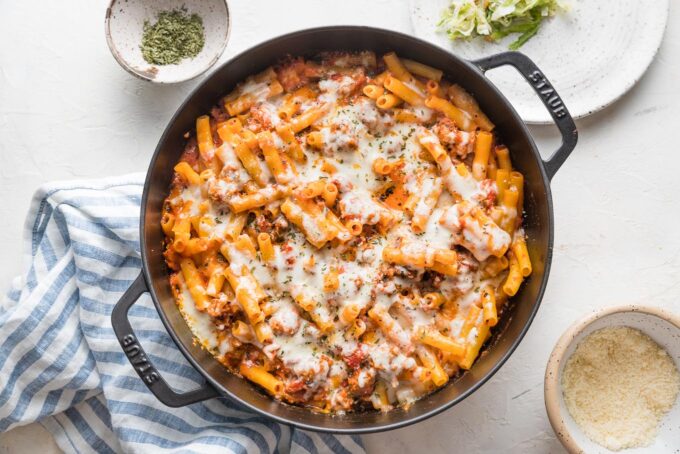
pixel 141 74
pixel 552 386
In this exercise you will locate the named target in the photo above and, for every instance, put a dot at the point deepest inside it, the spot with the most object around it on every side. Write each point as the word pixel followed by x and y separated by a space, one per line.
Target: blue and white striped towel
pixel 60 362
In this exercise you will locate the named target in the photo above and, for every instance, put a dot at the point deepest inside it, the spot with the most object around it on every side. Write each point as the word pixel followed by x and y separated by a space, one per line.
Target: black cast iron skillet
pixel 525 156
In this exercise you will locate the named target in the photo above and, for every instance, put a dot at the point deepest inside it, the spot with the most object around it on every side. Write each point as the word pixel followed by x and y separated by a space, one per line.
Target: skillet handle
pixel 546 92
pixel 139 359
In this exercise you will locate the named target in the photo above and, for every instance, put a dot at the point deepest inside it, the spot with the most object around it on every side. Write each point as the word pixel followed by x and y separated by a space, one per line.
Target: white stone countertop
pixel 68 111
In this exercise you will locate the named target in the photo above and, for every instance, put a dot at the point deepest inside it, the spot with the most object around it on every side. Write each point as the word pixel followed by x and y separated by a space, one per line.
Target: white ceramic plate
pixel 592 54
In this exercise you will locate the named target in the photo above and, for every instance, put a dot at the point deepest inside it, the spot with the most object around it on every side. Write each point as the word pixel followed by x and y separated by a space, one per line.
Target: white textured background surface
pixel 68 111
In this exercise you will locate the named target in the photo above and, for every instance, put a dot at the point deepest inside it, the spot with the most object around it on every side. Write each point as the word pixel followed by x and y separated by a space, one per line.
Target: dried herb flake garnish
pixel 175 36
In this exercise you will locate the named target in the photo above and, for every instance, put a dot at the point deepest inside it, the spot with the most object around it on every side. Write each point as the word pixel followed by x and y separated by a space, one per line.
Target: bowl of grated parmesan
pixel 612 382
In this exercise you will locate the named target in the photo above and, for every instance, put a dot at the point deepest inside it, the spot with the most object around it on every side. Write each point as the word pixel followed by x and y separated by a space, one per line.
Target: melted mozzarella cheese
pixel 201 324
pixel 355 133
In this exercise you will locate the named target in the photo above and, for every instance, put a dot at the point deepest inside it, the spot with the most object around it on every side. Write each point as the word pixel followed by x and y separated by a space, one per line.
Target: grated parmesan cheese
pixel 618 385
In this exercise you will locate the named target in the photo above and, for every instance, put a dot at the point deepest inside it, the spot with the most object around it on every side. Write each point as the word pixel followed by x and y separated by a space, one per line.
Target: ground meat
pixel 219 114
pixel 344 84
pixel 222 189
pixel 296 72
pixel 340 139
pixel 402 271
pixel 342 400
pixel 172 258
pixel 354 359
pixel 361 382
pixel 295 386
pixel 219 307
pixel 466 262
pixel 437 279
pixel 489 188
pixel 342 182
pixel 262 223
pixel 349 59
pixel 376 122
pixel 458 142
pixel 261 118
pixel 280 227
pixel 190 156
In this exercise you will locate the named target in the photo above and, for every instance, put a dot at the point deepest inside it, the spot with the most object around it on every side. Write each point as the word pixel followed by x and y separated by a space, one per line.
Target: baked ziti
pixel 344 231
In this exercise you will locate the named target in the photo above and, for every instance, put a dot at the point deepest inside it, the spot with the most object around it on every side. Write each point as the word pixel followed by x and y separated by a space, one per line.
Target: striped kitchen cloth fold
pixel 61 364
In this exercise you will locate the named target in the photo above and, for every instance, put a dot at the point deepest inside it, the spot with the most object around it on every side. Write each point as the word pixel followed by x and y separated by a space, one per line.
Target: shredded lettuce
pixel 496 19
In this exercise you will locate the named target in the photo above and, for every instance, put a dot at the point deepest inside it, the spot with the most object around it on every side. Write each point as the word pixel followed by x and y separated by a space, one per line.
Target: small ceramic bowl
pixel 662 326
pixel 125 25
